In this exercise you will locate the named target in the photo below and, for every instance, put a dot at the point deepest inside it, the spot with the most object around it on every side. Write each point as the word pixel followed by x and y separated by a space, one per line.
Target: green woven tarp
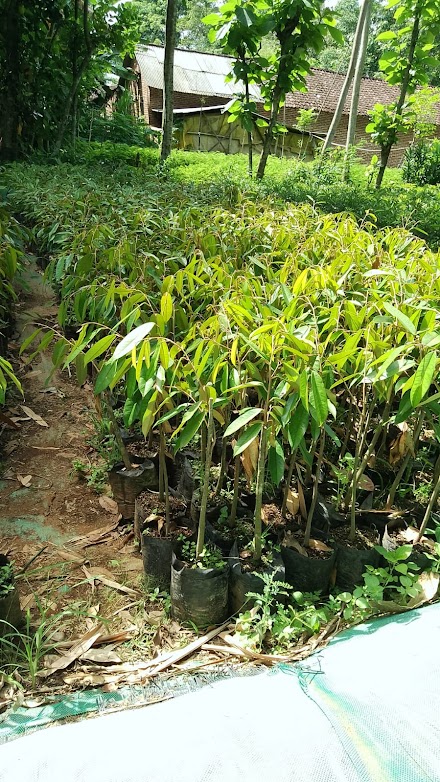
pixel 365 709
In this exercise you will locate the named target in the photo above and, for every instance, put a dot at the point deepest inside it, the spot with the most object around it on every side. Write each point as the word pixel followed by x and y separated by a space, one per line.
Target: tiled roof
pixel 198 73
pixel 324 88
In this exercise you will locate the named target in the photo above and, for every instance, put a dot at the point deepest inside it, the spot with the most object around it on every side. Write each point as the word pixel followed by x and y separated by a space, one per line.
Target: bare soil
pixel 48 513
pixel 365 538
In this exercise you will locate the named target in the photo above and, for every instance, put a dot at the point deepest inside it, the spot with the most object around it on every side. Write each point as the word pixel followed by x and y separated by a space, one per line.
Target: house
pixel 202 92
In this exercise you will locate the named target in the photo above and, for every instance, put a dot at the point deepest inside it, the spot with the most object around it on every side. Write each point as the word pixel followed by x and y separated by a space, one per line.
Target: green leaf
pixel 148 417
pixel 404 321
pixel 29 339
pixel 132 340
pixel 247 415
pixel 189 431
pixel 297 426
pixel 166 307
pixel 318 399
pixel 247 437
pixel 105 377
pixel 171 413
pixel 81 369
pixel 99 348
pixel 423 378
pixel 276 463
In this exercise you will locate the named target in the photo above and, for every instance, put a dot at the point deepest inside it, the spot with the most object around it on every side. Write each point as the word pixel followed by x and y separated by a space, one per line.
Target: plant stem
pixel 164 493
pixel 259 494
pixel 404 465
pixel 358 473
pixel 167 500
pixel 205 491
pixel 352 535
pixel 162 465
pixel 433 499
pixel 115 429
pixel 348 431
pixel 221 476
pixel 309 471
pixel 315 491
pixel 203 444
pixel 288 482
pixel 234 506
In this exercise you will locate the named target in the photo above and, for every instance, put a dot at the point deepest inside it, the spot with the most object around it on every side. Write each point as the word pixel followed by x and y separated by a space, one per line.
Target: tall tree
pixel 191 32
pixel 405 63
pixel 168 80
pixel 299 27
pixel 364 12
pixel 52 53
pixel 10 78
pixel 357 79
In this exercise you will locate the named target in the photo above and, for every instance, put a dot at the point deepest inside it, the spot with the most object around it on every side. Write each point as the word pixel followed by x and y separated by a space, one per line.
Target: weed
pixel 6 579
pixel 95 475
pixel 210 557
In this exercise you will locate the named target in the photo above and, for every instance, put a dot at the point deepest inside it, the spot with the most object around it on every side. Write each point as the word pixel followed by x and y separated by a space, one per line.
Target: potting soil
pixel 362 710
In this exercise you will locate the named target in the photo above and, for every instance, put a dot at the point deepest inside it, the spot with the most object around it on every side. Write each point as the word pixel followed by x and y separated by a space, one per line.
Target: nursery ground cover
pixel 289 356
pixel 330 722
pixel 317 182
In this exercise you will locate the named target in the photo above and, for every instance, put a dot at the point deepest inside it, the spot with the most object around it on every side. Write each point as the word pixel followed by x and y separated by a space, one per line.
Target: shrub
pixel 421 164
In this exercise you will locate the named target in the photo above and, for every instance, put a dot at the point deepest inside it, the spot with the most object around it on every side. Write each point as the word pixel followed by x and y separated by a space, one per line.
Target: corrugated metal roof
pixel 194 73
pixel 204 74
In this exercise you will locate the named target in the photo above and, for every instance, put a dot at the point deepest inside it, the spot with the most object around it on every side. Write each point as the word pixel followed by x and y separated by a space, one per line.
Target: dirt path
pixel 55 506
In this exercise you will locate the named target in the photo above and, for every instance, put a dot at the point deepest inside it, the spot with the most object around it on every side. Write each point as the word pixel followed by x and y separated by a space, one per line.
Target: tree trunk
pixel 10 89
pixel 168 80
pixel 386 149
pixel 76 81
pixel 348 78
pixel 384 156
pixel 62 127
pixel 270 135
pixel 359 72
pixel 249 135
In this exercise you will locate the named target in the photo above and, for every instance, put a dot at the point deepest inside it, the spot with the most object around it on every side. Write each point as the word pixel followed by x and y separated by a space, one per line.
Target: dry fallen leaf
pixel 249 459
pixel 402 445
pixel 8 421
pixel 114 584
pixel 365 483
pixel 104 655
pixel 82 541
pixel 25 480
pixel 302 502
pixel 290 542
pixel 108 504
pixel 35 417
pixel 97 570
pixel 77 649
pixel 318 545
pixel 410 535
pixel 292 503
